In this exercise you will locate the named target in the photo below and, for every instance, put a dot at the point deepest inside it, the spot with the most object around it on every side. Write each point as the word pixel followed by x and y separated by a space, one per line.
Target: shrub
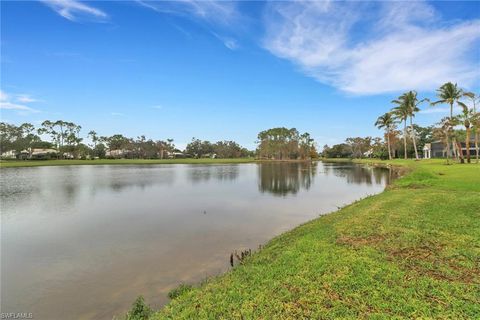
pixel 140 310
pixel 178 291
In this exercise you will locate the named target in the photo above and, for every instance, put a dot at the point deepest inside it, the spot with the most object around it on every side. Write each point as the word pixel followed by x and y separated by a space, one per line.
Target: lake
pixel 82 242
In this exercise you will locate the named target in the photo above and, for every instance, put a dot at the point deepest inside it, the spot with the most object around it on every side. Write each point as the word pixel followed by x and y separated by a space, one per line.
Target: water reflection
pixel 197 174
pixel 68 184
pixel 281 179
pixel 360 174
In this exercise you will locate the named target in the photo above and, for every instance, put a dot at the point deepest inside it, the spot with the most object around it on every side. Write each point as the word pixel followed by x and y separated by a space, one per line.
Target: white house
pixel 11 154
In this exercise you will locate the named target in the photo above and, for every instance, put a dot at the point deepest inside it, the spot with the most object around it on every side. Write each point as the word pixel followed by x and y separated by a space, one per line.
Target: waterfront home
pixel 437 149
pixel 41 153
pixel 68 155
pixel 177 154
pixel 10 154
pixel 30 154
pixel 116 153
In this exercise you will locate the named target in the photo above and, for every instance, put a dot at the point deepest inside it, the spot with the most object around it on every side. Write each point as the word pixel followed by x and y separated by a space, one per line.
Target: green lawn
pixel 35 163
pixel 412 251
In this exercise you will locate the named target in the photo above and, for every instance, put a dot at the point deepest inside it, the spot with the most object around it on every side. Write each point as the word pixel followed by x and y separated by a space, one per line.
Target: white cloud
pixel 16 103
pixel 231 44
pixel 25 98
pixel 228 42
pixel 370 48
pixel 215 13
pixel 73 9
pixel 223 12
pixel 3 96
pixel 13 106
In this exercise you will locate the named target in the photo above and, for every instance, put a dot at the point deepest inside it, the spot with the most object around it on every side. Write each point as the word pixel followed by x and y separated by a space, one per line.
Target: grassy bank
pixel 412 251
pixel 35 163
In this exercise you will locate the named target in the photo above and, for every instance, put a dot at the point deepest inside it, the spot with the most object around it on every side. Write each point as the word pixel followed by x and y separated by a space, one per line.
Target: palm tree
pixel 386 121
pixel 466 118
pixel 449 93
pixel 94 137
pixel 443 132
pixel 476 119
pixel 410 99
pixel 401 112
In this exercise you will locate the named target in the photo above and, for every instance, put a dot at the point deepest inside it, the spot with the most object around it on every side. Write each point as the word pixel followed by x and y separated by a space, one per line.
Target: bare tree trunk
pixel 405 138
pixel 456 154
pixel 476 143
pixel 448 149
pixel 388 145
pixel 467 143
pixel 412 132
pixel 459 147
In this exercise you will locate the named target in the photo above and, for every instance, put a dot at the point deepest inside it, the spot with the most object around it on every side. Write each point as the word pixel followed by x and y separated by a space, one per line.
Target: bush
pixel 140 310
pixel 178 291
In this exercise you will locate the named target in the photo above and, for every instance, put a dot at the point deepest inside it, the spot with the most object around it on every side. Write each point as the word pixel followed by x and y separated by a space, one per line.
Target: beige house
pixel 118 153
pixel 35 153
pixel 38 153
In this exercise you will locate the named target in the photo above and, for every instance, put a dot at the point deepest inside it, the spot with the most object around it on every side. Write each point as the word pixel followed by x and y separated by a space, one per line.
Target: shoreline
pixel 45 163
pixel 64 162
pixel 360 239
pixel 76 162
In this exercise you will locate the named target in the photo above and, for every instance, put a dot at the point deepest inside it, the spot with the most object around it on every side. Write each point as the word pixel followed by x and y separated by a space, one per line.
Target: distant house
pixel 117 153
pixel 437 149
pixel 174 155
pixel 68 155
pixel 210 155
pixel 11 154
pixel 40 154
pixel 368 153
pixel 33 154
pixel 23 155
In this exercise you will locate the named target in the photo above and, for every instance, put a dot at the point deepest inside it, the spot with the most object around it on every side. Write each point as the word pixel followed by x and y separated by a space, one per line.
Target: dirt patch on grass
pixel 422 252
pixel 428 260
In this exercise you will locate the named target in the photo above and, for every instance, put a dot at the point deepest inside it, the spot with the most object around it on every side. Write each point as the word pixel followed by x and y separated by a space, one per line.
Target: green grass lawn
pixel 412 251
pixel 35 163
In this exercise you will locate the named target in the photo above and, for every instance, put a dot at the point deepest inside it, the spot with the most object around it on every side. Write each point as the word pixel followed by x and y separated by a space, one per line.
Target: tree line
pixel 405 141
pixel 64 140
pixel 221 149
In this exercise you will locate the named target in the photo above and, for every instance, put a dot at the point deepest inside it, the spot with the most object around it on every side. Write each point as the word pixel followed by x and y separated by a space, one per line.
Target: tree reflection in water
pixel 361 174
pixel 282 179
pixel 198 173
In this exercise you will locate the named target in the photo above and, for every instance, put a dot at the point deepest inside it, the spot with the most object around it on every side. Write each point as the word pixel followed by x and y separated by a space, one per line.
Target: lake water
pixel 82 242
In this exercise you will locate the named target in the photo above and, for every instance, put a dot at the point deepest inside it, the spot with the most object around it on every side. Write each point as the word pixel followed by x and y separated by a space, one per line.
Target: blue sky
pixel 227 70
